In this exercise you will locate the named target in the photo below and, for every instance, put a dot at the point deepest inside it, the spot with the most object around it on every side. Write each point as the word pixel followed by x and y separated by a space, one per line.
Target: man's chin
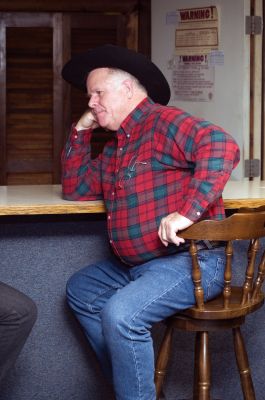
pixel 106 126
pixel 101 121
pixel 103 126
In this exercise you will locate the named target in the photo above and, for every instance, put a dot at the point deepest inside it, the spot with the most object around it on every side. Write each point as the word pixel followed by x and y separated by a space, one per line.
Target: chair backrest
pixel 244 225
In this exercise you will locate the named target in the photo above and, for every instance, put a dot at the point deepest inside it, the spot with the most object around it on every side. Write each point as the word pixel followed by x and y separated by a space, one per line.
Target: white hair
pixel 122 75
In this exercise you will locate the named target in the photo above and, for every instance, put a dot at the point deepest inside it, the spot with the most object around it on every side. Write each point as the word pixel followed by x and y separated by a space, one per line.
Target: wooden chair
pixel 228 310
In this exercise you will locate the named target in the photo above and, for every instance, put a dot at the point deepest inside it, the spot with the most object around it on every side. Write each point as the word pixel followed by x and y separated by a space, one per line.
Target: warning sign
pixel 197 30
pixel 192 79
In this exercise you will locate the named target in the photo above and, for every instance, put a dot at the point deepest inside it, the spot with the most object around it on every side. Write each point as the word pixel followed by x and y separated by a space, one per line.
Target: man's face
pixel 107 98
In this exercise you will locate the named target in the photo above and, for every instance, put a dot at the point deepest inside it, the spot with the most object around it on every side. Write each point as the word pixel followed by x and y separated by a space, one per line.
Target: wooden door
pixel 36 106
pixel 26 98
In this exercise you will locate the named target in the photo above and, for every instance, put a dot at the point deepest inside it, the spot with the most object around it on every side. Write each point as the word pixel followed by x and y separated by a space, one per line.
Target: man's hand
pixel 87 121
pixel 170 225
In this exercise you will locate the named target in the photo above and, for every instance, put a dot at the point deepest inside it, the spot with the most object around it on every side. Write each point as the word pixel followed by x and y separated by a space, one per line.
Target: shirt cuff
pixel 80 137
pixel 192 210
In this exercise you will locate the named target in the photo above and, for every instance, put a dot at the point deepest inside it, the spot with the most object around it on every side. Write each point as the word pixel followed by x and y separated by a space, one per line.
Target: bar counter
pixel 47 199
pixel 42 200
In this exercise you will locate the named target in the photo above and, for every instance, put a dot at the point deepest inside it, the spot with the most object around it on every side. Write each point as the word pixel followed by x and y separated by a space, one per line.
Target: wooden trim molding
pixel 2 102
pixel 68 5
pixel 57 94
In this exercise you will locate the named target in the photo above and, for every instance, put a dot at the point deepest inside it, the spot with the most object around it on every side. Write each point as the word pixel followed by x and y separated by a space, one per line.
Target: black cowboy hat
pixel 148 74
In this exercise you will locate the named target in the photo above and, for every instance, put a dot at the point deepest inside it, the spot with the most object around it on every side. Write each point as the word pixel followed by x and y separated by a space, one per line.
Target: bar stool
pixel 228 310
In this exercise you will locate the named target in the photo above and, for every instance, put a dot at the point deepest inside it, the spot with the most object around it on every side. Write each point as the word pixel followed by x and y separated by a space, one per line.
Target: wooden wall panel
pixel 29 178
pixel 29 108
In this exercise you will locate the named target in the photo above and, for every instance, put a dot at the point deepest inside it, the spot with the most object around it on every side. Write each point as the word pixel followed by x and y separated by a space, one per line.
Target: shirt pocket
pixel 135 169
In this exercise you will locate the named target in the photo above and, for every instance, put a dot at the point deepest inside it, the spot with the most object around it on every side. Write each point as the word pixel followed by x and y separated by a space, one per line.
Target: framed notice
pixel 197 31
pixel 192 79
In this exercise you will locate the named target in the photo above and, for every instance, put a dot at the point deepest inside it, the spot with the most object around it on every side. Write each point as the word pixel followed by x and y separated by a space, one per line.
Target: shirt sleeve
pixel 80 174
pixel 207 151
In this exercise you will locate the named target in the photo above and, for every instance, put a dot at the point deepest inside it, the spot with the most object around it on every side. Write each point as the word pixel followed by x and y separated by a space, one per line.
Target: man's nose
pixel 92 101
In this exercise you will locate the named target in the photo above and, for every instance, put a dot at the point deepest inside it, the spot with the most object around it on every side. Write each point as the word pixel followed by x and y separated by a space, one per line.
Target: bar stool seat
pixel 229 309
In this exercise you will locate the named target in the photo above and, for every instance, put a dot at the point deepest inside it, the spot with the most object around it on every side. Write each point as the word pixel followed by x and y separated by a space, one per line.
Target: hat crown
pixel 148 74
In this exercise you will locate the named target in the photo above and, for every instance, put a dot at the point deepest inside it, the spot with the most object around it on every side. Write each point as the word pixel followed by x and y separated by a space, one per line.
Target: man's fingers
pixel 167 233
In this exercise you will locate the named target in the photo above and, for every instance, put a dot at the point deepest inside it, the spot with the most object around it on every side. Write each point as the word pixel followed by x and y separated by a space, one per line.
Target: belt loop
pixel 208 244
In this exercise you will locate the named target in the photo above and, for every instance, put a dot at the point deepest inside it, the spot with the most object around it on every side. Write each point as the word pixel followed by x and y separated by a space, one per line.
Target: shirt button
pixel 110 241
pixel 128 135
pixel 112 193
pixel 109 217
pixel 75 136
pixel 198 213
pixel 121 148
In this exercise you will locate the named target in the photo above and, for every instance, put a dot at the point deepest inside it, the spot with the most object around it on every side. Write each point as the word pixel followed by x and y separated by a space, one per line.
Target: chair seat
pixel 214 309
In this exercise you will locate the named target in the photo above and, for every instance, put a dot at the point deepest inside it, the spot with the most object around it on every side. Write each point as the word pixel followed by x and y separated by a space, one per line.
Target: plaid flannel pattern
pixel 161 160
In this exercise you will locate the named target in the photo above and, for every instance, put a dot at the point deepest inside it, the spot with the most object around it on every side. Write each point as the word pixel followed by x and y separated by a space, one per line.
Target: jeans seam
pixel 213 278
pixel 88 305
pixel 137 313
pixel 91 303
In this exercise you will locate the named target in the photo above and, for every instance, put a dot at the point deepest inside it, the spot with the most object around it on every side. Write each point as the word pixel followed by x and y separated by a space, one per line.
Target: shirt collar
pixel 135 116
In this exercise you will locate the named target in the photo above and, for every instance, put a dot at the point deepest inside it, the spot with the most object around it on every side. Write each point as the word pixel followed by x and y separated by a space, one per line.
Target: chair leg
pixel 196 366
pixel 202 367
pixel 162 360
pixel 243 365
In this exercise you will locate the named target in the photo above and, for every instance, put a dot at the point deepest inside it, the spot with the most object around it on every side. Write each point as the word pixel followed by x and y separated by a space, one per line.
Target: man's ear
pixel 129 87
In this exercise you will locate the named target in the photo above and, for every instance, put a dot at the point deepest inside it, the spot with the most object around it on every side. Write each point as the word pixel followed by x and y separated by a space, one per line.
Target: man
pixel 18 314
pixel 163 171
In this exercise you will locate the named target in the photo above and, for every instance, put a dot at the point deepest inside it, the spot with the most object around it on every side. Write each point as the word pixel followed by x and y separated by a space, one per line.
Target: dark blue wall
pixel 38 254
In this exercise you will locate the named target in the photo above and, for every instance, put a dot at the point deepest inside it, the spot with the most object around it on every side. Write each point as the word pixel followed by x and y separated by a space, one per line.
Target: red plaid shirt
pixel 161 160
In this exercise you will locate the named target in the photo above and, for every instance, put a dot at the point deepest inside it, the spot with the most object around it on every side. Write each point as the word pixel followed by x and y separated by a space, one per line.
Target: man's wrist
pixel 82 136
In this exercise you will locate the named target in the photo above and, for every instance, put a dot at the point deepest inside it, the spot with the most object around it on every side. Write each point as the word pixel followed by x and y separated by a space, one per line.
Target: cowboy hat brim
pixel 148 74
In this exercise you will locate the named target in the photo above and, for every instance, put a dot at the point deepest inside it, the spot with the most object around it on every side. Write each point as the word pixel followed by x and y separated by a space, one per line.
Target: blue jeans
pixel 117 306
